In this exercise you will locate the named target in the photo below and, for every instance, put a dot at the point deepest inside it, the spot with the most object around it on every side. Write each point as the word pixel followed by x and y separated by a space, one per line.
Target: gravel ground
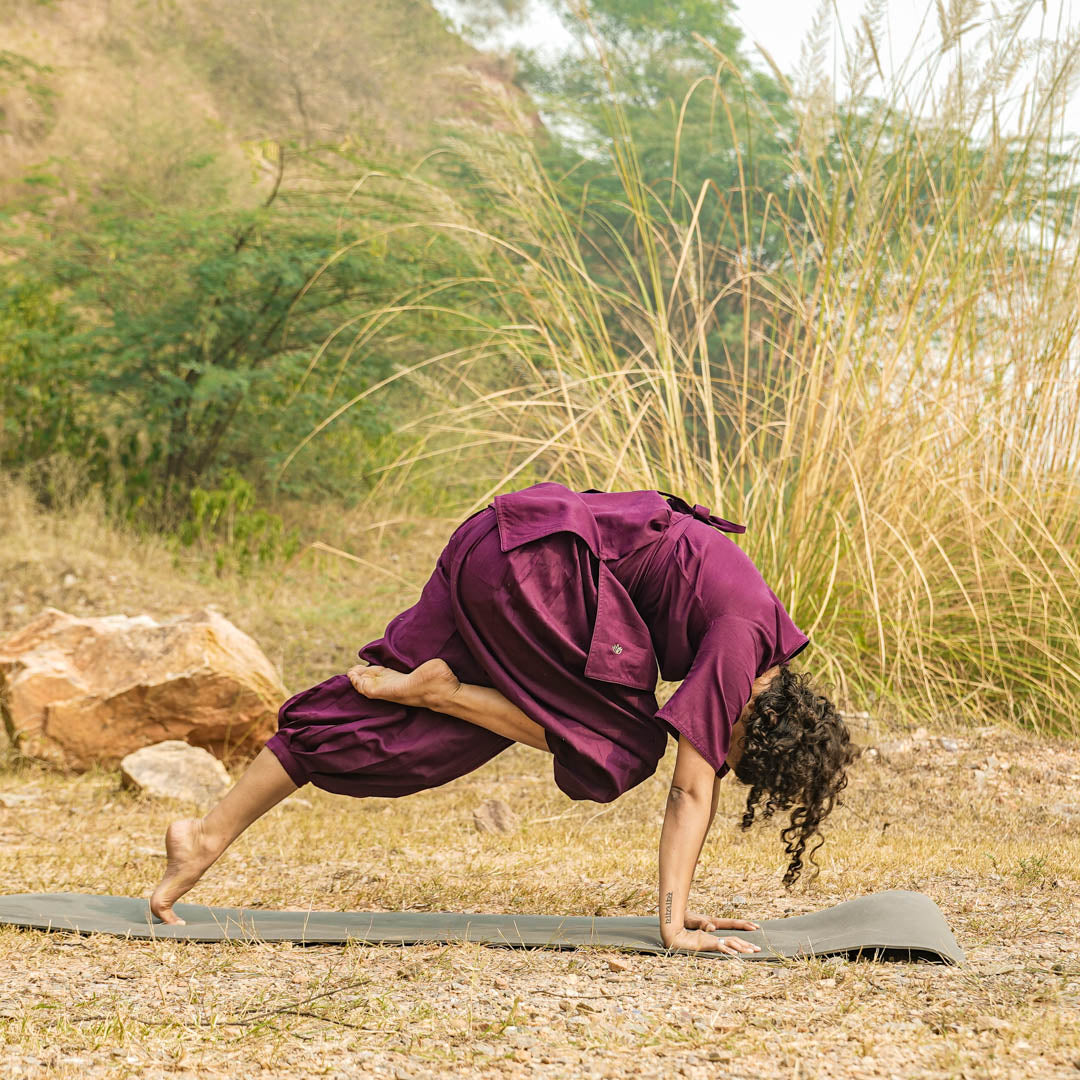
pixel 985 823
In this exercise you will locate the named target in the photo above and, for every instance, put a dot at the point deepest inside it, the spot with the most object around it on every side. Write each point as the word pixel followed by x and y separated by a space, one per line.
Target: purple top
pixel 672 587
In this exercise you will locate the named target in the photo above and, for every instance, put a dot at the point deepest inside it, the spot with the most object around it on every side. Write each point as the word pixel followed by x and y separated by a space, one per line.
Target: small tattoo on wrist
pixel 667 908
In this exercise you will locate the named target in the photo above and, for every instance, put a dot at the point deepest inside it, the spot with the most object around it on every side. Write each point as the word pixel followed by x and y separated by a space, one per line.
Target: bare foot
pixel 189 853
pixel 430 685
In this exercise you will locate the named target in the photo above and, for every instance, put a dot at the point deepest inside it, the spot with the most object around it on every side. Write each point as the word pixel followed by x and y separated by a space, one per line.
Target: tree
pixel 172 343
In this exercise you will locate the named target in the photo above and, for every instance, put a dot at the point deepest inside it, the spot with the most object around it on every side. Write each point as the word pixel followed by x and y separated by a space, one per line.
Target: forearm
pixel 487 708
pixel 686 822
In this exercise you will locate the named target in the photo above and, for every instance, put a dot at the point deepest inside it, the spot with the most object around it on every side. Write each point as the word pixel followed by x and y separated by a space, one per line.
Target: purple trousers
pixel 519 621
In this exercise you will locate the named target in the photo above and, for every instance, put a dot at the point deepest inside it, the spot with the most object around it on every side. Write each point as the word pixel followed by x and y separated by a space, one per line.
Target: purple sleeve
pixel 716 688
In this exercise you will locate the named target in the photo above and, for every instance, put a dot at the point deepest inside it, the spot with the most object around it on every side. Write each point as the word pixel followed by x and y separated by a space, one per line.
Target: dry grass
pixel 1000 855
pixel 989 830
pixel 873 364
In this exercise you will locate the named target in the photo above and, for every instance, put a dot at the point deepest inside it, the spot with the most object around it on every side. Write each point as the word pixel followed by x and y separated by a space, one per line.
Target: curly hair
pixel 794 754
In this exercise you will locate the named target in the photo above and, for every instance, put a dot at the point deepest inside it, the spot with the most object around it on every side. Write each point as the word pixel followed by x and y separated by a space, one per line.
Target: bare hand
pixel 693 921
pixel 700 941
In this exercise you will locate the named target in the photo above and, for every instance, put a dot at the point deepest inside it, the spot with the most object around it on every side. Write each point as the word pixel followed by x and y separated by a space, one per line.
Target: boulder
pixel 75 692
pixel 175 770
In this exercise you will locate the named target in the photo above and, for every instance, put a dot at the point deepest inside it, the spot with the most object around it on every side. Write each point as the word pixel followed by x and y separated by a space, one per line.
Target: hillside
pixel 115 83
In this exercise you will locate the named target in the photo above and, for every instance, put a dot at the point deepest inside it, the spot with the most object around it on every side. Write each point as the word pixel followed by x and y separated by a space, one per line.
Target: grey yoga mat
pixel 895 925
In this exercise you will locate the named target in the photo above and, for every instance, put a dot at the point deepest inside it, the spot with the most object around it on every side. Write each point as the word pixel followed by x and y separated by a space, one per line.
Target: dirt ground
pixel 986 824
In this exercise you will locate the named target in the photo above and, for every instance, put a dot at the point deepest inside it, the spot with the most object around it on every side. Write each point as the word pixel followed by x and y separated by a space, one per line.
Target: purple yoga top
pixel 566 602
pixel 700 605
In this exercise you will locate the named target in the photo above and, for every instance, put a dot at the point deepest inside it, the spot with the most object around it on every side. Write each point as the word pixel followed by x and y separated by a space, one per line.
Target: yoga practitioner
pixel 542 624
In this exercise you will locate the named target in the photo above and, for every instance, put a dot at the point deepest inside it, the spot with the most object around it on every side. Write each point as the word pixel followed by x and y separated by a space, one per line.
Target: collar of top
pixel 620 649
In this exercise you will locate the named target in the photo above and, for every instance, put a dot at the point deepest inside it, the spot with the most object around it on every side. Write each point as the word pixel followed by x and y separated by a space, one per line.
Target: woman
pixel 542 624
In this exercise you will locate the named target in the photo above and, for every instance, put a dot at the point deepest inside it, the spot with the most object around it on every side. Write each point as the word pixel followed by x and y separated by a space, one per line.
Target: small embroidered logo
pixel 616 648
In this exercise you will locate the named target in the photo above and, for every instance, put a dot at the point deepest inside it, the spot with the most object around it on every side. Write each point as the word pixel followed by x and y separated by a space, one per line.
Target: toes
pixel 165 913
pixel 361 676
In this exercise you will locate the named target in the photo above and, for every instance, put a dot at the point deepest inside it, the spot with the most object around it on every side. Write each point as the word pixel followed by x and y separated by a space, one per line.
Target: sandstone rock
pixel 494 816
pixel 175 770
pixel 75 692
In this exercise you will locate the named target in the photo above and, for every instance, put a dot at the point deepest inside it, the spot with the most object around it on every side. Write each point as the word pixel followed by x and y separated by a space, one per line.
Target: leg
pixel 192 845
pixel 433 685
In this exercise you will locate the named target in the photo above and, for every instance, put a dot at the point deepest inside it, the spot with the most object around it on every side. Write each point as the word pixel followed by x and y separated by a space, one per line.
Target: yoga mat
pixel 894 925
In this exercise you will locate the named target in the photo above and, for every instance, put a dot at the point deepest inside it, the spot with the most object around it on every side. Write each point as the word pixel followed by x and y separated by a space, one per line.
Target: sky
pixel 781 26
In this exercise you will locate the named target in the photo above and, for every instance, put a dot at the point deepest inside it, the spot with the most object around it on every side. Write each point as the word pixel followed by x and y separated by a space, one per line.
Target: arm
pixel 691 805
pixel 488 708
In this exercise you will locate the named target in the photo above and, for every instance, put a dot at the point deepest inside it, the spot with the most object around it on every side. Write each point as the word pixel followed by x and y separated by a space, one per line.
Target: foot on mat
pixel 189 852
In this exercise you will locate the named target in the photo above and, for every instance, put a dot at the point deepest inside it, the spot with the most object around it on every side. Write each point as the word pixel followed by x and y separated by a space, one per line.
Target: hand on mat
pixel 693 921
pixel 699 941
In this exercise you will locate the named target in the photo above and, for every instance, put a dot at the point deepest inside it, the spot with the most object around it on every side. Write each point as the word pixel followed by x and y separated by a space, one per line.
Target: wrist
pixel 440 698
pixel 671 918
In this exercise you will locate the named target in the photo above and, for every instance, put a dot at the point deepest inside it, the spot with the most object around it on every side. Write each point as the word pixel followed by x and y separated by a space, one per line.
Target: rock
pixel 895 746
pixel 175 770
pixel 738 901
pixel 12 799
pixel 617 963
pixel 75 692
pixel 991 1023
pixel 949 744
pixel 494 816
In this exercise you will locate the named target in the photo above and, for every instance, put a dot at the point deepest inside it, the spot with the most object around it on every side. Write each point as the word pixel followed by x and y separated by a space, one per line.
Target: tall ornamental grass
pixel 886 390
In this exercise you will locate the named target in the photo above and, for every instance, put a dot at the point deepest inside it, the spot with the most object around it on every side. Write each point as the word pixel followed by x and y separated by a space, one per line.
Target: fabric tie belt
pixel 702 513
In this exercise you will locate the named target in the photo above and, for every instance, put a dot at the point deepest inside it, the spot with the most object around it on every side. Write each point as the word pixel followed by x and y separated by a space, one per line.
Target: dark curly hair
pixel 794 753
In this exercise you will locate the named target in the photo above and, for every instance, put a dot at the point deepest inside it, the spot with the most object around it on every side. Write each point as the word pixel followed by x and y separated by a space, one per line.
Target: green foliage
pixel 162 344
pixel 41 410
pixel 708 135
pixel 170 295
pixel 240 533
